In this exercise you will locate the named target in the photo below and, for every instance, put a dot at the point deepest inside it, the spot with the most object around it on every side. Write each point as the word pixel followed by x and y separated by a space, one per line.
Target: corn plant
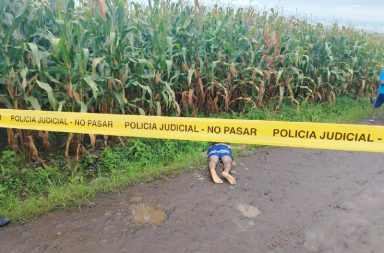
pixel 166 58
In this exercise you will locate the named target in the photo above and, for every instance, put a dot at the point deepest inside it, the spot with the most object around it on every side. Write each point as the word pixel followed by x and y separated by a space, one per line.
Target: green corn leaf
pixel 279 76
pixel 169 67
pixel 85 57
pixel 214 64
pixel 34 102
pixel 112 39
pixel 190 73
pixel 51 78
pixel 145 62
pixel 36 55
pixel 184 53
pixel 96 62
pixel 83 108
pixel 61 105
pixel 187 22
pixel 55 46
pixel 93 85
pixel 146 89
pixel 120 100
pixel 141 111
pixel 16 23
pixel 147 76
pixel 23 74
pixel 51 98
pixel 170 47
pixel 5 101
pixel 64 52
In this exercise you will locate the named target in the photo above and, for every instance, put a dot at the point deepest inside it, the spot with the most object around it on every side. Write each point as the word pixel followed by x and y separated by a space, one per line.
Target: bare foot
pixel 229 178
pixel 215 177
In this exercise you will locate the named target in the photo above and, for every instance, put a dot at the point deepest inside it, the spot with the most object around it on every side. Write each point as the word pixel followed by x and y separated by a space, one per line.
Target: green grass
pixel 27 192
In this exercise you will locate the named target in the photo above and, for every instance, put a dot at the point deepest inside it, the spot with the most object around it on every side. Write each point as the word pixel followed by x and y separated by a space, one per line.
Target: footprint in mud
pixel 198 176
pixel 248 211
pixel 281 239
pixel 135 199
pixel 142 214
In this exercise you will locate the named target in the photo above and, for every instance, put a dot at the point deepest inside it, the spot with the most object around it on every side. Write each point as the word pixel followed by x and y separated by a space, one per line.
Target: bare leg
pixel 373 115
pixel 375 108
pixel 227 161
pixel 213 162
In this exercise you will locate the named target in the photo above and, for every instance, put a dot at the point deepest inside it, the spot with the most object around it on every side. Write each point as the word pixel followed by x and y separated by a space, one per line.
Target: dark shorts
pixel 220 150
pixel 379 101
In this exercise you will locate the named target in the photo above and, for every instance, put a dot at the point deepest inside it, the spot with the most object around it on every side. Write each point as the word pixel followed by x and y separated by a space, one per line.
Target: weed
pixel 26 192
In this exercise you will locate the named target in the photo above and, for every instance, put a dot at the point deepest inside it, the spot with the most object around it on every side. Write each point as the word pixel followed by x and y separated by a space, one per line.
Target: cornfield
pixel 171 59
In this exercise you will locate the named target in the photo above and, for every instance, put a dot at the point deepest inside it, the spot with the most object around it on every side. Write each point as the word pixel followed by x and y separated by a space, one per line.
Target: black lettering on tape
pixel 275 131
pixel 240 131
pixel 214 129
pixel 140 125
pixel 52 120
pixel 22 119
pixel 301 134
pixel 79 122
pixel 100 123
pixel 178 128
pixel 339 136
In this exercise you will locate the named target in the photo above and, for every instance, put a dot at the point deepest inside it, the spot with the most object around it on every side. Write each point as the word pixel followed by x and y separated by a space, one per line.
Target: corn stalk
pixel 165 58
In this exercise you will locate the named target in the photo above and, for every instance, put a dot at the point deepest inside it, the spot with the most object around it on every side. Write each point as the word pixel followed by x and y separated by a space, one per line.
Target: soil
pixel 285 200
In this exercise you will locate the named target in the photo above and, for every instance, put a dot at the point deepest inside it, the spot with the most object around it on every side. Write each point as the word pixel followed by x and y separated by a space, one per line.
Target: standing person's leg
pixel 213 162
pixel 374 111
pixel 227 161
pixel 378 102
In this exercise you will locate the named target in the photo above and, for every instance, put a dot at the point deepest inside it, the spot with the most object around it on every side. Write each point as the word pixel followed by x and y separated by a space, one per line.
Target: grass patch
pixel 26 192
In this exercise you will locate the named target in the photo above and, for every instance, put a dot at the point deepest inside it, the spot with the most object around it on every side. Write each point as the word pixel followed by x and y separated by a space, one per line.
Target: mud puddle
pixel 142 214
pixel 248 211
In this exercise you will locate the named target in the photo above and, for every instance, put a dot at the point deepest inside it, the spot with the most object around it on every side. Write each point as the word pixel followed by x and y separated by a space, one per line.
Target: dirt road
pixel 286 200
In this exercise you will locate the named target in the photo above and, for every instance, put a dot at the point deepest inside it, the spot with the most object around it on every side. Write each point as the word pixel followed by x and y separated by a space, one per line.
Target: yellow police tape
pixel 277 133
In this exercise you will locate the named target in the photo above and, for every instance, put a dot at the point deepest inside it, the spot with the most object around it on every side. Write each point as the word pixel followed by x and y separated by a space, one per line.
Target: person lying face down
pixel 221 152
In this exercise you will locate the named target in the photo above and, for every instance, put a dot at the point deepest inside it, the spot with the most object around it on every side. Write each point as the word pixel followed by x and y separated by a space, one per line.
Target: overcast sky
pixel 365 14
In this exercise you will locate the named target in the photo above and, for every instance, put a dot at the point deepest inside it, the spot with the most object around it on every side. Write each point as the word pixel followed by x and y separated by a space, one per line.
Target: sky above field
pixel 364 14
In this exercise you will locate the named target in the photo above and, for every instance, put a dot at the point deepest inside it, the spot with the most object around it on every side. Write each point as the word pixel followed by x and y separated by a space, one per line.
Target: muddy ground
pixel 286 200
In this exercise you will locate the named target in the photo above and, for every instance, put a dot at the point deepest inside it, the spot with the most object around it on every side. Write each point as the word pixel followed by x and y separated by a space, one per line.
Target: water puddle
pixel 144 214
pixel 248 210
